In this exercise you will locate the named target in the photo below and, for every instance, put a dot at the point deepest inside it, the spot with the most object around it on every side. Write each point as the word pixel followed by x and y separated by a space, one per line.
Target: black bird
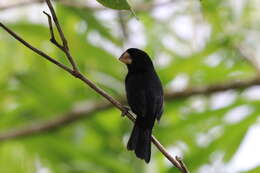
pixel 145 98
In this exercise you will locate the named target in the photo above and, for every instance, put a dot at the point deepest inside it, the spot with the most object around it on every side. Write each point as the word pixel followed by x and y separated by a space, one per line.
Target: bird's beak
pixel 126 58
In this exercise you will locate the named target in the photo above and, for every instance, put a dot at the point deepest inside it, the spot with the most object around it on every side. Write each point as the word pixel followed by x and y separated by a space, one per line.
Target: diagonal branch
pixel 76 73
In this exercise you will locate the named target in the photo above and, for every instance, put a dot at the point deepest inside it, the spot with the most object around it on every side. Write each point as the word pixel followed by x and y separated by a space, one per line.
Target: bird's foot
pixel 125 111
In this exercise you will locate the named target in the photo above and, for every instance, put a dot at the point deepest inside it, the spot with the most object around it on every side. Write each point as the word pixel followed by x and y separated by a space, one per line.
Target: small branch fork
pixel 76 73
pixel 64 47
pixel 53 39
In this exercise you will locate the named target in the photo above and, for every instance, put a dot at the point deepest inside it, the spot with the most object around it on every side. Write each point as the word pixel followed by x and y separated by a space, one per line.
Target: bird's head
pixel 136 60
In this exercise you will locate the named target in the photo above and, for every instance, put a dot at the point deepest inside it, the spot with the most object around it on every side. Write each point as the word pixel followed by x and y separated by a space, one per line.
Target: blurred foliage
pixel 194 42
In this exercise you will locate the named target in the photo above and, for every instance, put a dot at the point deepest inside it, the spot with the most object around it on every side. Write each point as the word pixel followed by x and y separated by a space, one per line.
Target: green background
pixel 33 91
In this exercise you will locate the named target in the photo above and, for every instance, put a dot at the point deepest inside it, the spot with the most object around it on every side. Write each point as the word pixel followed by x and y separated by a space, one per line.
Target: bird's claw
pixel 125 111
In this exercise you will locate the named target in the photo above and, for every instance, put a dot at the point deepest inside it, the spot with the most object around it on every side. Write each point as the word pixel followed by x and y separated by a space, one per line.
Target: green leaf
pixel 115 4
pixel 118 5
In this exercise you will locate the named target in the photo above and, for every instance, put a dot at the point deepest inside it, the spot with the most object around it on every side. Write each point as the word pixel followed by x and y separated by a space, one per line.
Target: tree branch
pixel 76 73
pixel 182 164
pixel 206 90
pixel 65 46
pixel 53 39
pixel 88 109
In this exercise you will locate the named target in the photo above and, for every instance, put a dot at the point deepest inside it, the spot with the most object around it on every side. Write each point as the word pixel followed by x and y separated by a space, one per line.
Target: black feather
pixel 145 97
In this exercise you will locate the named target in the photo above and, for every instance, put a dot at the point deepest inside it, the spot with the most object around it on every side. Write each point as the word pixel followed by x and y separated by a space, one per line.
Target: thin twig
pixel 56 21
pixel 167 155
pixel 62 36
pixel 183 166
pixel 53 39
pixel 76 73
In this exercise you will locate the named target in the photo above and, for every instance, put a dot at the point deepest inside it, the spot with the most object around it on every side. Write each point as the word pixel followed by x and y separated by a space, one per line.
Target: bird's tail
pixel 140 142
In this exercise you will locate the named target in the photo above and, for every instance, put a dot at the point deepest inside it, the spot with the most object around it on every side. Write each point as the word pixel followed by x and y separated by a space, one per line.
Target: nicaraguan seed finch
pixel 145 97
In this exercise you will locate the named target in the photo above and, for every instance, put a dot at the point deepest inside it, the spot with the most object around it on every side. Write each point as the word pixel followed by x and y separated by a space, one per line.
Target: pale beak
pixel 126 58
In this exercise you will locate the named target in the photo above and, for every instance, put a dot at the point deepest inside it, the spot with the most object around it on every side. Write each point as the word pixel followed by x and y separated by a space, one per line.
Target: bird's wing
pixel 159 106
pixel 145 97
pixel 137 101
pixel 154 98
pixel 136 95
